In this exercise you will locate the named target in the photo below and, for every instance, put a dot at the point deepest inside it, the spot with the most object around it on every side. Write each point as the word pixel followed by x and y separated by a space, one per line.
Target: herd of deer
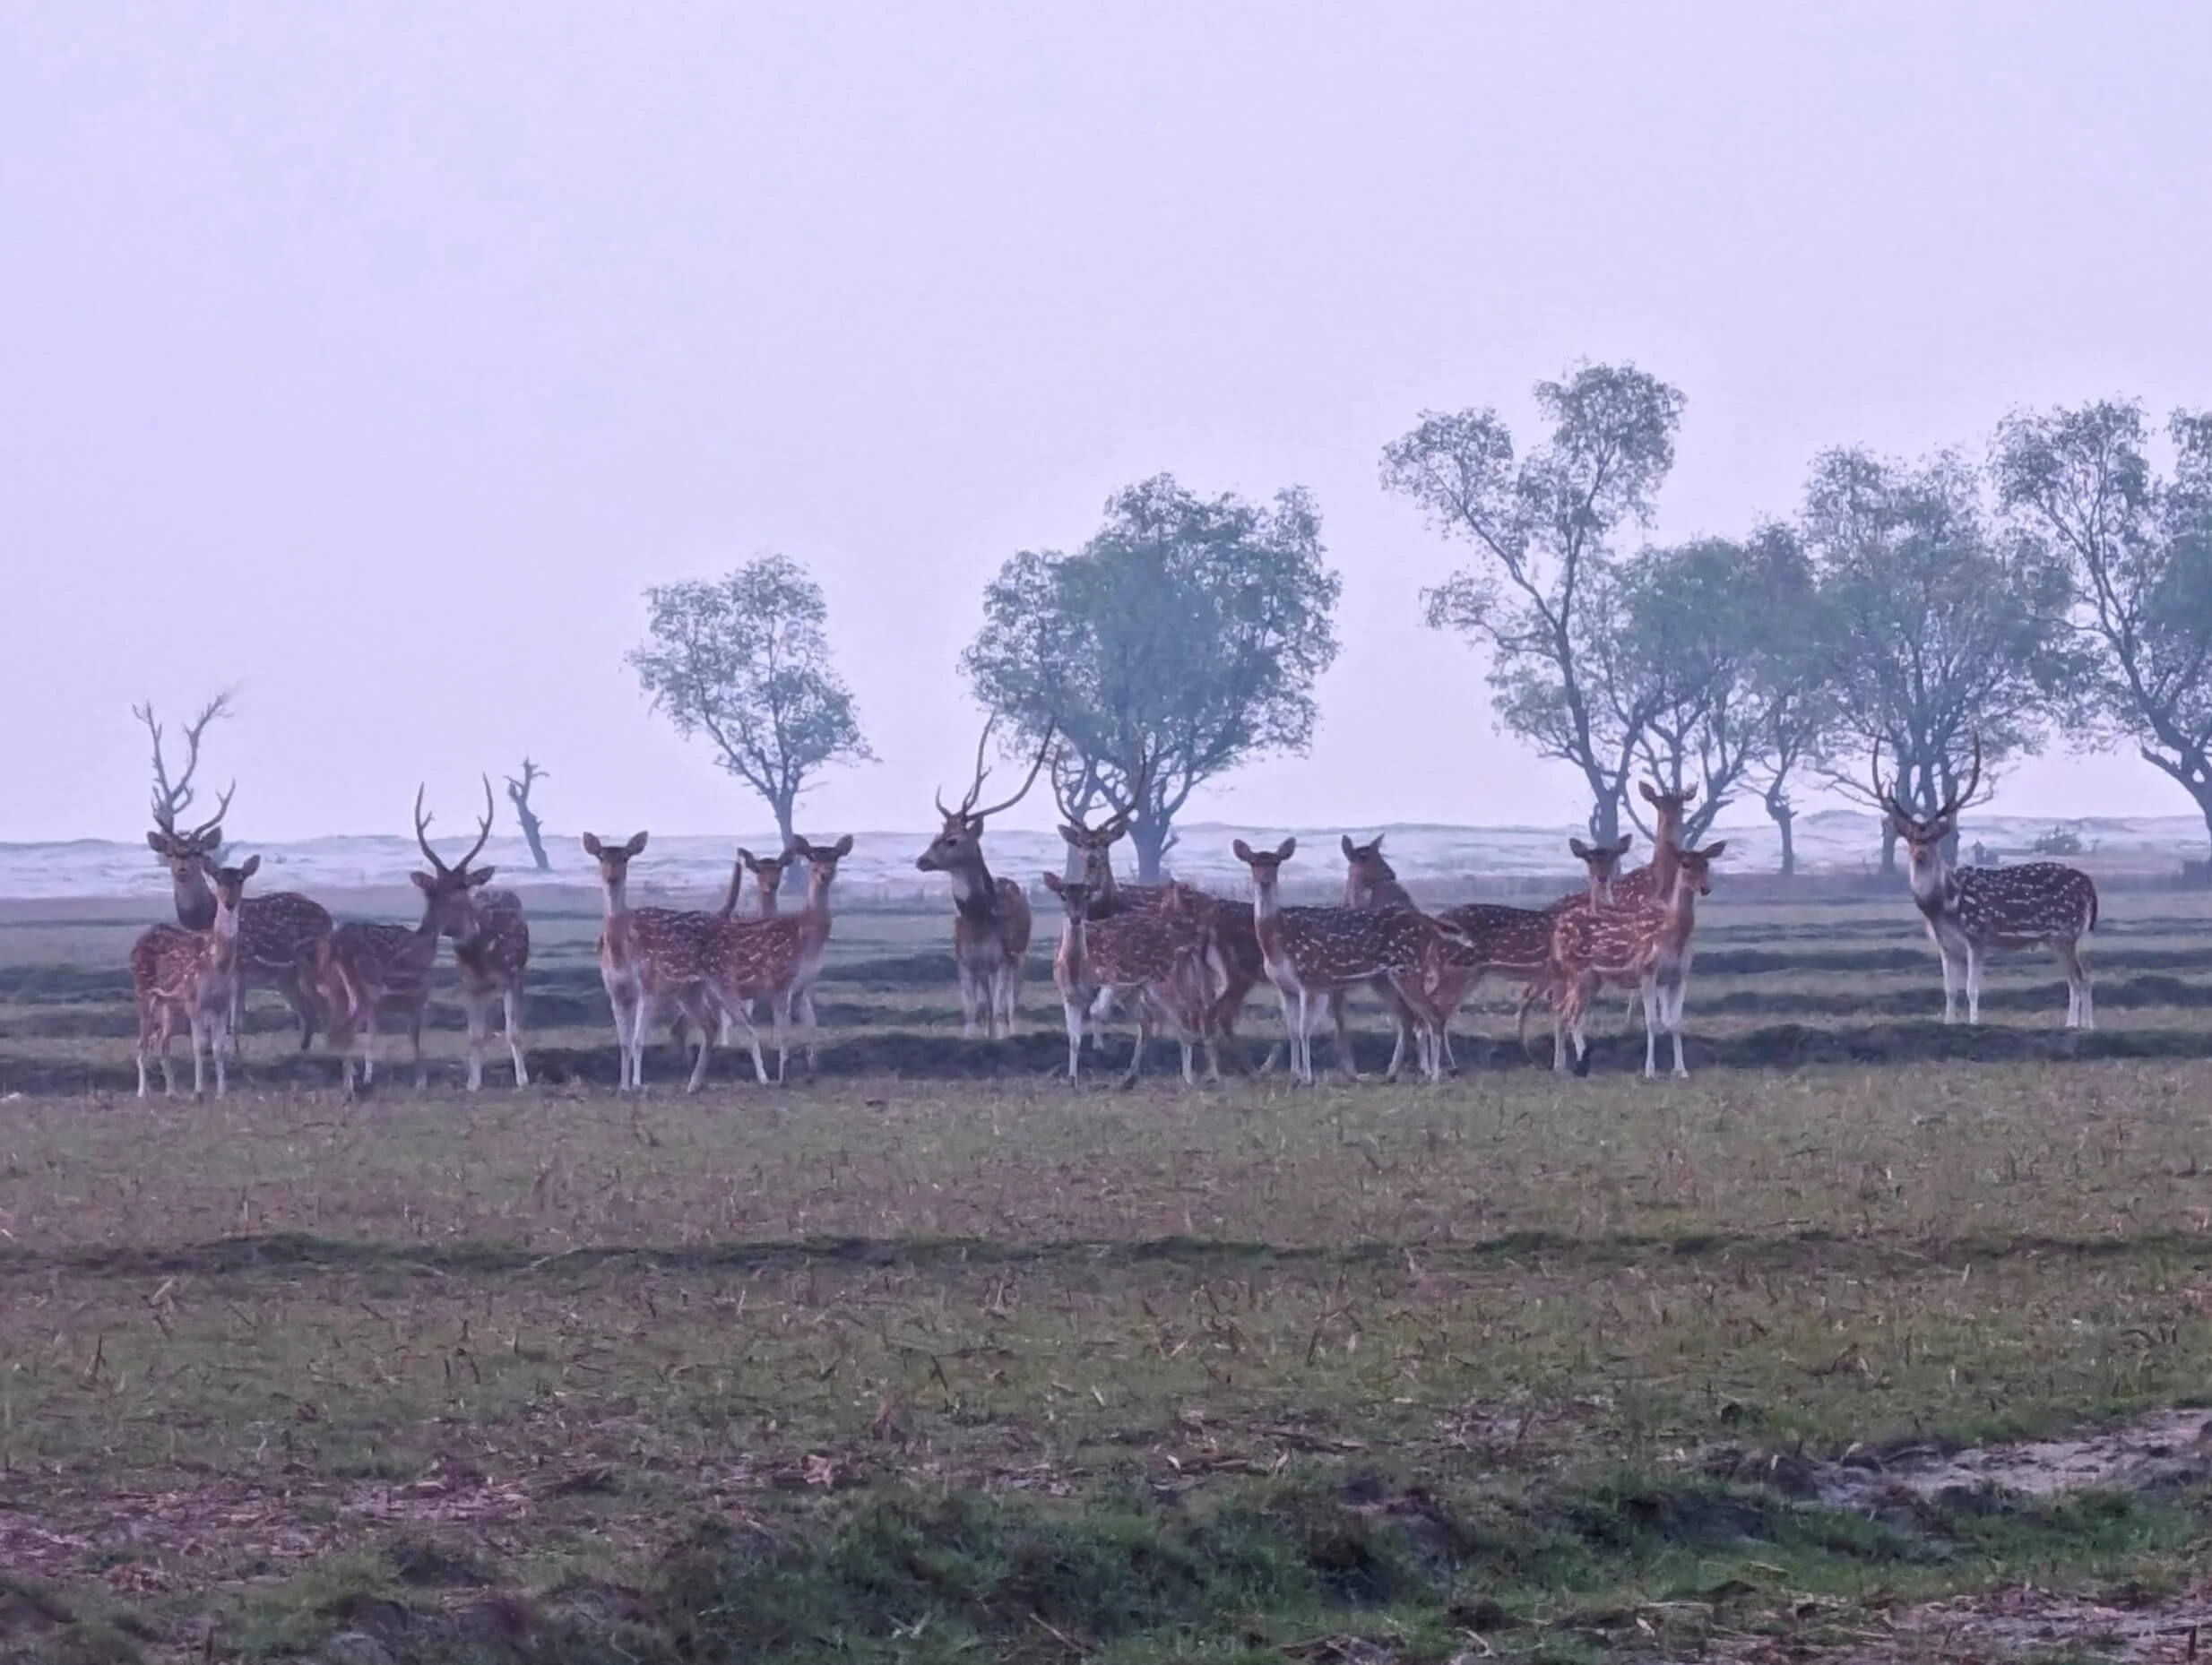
pixel 1180 960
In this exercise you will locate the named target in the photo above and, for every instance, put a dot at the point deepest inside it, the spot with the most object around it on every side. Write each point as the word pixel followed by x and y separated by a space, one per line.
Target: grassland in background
pixel 935 1360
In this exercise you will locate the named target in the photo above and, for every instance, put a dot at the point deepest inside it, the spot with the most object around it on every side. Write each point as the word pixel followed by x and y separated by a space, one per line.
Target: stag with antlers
pixel 367 970
pixel 1970 910
pixel 278 934
pixel 1314 952
pixel 991 920
pixel 1646 947
pixel 191 976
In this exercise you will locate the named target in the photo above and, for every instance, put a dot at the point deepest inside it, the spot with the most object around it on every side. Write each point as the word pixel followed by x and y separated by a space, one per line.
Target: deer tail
pixel 2091 924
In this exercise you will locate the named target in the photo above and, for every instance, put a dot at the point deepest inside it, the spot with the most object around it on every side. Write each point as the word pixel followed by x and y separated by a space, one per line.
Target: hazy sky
pixel 376 358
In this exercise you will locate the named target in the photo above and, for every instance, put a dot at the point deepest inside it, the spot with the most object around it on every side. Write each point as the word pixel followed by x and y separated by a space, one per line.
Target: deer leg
pixel 780 1010
pixel 813 1028
pixel 222 1040
pixel 1649 997
pixel 1101 1015
pixel 144 1035
pixel 970 1001
pixel 237 1008
pixel 1340 1008
pixel 1136 1053
pixel 477 1013
pixel 1072 1007
pixel 702 1021
pixel 512 1000
pixel 1950 981
pixel 198 1021
pixel 414 1039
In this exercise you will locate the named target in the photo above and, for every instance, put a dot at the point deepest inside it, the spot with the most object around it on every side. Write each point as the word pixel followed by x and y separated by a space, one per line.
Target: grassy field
pixel 935 1360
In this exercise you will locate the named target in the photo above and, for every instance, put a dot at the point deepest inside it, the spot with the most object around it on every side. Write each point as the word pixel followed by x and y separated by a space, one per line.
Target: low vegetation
pixel 936 1359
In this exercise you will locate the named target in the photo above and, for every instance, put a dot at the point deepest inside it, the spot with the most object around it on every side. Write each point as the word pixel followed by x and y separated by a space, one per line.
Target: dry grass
pixel 286 1365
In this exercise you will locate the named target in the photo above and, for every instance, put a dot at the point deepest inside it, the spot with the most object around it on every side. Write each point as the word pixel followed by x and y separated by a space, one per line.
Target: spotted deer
pixel 492 962
pixel 278 932
pixel 1645 946
pixel 767 876
pixel 1371 882
pixel 1156 958
pixel 1970 910
pixel 991 921
pixel 1236 966
pixel 365 972
pixel 191 975
pixel 1311 952
pixel 650 959
pixel 777 959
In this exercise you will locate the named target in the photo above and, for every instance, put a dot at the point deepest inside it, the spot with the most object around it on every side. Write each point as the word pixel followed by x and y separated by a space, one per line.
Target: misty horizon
pixel 378 366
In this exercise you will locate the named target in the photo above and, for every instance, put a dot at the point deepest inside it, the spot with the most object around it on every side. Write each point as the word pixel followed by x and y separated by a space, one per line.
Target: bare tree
pixel 533 832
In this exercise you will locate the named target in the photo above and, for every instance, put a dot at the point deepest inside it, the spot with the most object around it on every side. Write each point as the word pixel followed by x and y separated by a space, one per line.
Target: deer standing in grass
pixel 278 934
pixel 367 971
pixel 1313 952
pixel 1645 946
pixel 191 975
pixel 650 959
pixel 779 959
pixel 991 921
pixel 492 962
pixel 1970 910
pixel 1237 968
pixel 1157 958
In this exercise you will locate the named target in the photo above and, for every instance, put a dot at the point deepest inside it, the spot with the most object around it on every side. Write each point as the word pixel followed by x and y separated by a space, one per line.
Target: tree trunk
pixel 1606 818
pixel 1150 836
pixel 1889 849
pixel 783 808
pixel 534 834
pixel 1785 822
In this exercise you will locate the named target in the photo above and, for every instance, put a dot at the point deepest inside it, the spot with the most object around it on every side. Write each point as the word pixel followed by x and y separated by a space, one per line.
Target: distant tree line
pixel 2058 590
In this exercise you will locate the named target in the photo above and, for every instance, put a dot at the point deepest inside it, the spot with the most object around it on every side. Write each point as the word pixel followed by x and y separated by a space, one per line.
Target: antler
pixel 483 834
pixel 169 800
pixel 1140 783
pixel 967 806
pixel 1059 796
pixel 1958 801
pixel 1883 796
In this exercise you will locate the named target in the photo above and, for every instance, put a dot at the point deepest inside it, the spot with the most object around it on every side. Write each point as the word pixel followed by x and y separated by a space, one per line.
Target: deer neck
pixel 618 893
pixel 1682 912
pixel 1665 854
pixel 1935 890
pixel 975 893
pixel 814 915
pixel 223 935
pixel 196 908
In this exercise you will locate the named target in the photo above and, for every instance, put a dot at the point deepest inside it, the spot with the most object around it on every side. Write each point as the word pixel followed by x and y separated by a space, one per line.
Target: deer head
pixel 1924 838
pixel 230 887
pixel 1075 895
pixel 1603 862
pixel 960 842
pixel 1694 876
pixel 1668 806
pixel 821 861
pixel 614 860
pixel 1365 868
pixel 447 890
pixel 768 872
pixel 1267 866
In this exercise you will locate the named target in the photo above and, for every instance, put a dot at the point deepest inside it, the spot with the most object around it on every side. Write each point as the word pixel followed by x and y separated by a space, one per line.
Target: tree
pixel 1185 638
pixel 746 662
pixel 1794 710
pixel 533 832
pixel 2139 551
pixel 1936 633
pixel 1539 596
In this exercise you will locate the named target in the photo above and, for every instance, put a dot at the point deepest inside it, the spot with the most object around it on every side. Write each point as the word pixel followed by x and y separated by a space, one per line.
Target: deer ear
pixel 1352 850
pixel 1582 852
pixel 1071 835
pixel 1899 825
pixel 1055 883
pixel 637 846
pixel 424 883
pixel 1242 851
pixel 1620 844
pixel 1650 797
pixel 747 856
pixel 156 843
pixel 482 876
pixel 1690 791
pixel 842 847
pixel 1286 850
pixel 251 866
pixel 591 846
pixel 1711 852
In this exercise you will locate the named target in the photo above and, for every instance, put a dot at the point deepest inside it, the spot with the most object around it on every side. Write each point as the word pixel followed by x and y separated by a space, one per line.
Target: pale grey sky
pixel 377 359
